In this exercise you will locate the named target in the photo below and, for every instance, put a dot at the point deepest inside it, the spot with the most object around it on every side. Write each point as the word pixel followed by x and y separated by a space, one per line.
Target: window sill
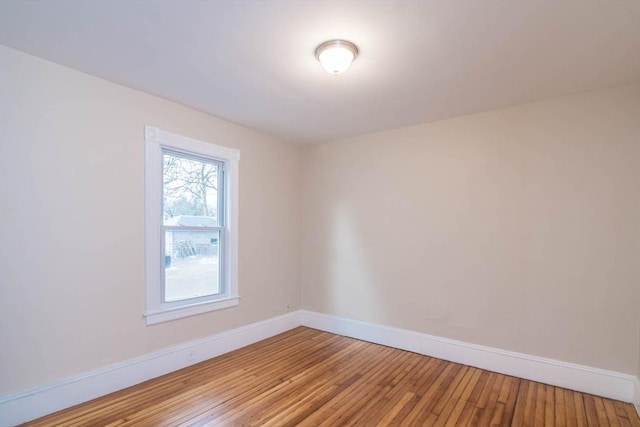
pixel 179 312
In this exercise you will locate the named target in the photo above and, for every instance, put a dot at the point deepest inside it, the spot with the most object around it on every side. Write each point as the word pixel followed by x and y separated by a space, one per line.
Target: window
pixel 191 230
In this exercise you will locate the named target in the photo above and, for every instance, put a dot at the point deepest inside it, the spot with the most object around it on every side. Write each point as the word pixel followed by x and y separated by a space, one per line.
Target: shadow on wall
pixel 352 290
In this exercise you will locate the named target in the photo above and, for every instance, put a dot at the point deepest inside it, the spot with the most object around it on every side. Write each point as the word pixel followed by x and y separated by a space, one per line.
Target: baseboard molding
pixel 636 395
pixel 586 379
pixel 31 404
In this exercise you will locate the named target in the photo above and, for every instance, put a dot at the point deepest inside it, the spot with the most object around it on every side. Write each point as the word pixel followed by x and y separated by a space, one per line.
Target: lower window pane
pixel 191 264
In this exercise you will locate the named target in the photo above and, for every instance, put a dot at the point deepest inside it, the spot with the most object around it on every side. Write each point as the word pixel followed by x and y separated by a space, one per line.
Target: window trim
pixel 156 141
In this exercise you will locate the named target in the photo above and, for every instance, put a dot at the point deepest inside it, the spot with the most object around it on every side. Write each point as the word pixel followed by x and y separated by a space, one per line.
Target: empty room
pixel 319 213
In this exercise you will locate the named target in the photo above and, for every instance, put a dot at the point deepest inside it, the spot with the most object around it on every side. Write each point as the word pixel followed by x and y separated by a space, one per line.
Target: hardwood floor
pixel 306 377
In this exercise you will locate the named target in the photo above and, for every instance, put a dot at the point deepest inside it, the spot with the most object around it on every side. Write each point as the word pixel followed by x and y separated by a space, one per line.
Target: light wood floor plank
pixel 521 403
pixel 306 377
pixel 592 411
pixel 484 410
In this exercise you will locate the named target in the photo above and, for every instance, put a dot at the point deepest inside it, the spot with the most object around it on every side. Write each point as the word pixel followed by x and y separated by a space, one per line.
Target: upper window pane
pixel 190 191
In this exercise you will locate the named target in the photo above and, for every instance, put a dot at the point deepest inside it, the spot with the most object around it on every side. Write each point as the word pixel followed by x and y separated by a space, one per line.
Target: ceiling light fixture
pixel 336 55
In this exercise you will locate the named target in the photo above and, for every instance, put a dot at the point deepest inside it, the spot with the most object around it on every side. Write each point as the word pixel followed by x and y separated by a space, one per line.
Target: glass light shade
pixel 336 56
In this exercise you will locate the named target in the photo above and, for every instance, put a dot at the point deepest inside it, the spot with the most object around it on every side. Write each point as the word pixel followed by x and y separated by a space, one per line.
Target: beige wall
pixel 516 229
pixel 71 222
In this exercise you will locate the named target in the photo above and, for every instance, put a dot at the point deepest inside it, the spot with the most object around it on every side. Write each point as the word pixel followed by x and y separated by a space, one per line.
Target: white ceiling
pixel 252 62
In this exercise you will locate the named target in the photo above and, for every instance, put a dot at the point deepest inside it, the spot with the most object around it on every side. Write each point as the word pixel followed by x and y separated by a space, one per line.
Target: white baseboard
pixel 586 379
pixel 25 406
pixel 636 395
pixel 31 404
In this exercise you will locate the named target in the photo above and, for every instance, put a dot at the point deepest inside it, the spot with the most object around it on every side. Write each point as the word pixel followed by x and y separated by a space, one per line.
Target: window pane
pixel 190 191
pixel 191 264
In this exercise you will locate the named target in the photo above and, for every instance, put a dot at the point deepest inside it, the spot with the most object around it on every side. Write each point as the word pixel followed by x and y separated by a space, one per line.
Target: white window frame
pixel 157 310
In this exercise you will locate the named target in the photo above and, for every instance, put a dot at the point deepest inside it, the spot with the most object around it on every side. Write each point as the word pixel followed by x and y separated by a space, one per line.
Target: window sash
pixel 221 182
pixel 224 292
pixel 191 228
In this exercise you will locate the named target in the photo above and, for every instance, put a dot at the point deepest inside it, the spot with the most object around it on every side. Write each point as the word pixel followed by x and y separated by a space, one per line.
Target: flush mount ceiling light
pixel 336 55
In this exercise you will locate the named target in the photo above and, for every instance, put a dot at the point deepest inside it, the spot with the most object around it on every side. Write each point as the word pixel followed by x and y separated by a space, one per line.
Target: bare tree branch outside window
pixel 190 187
